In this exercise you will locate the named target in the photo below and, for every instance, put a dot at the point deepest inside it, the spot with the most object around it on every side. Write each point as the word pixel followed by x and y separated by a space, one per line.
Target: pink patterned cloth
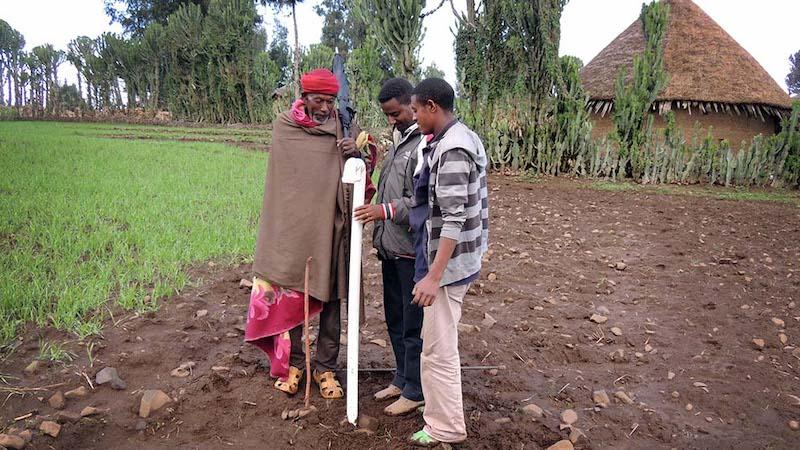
pixel 299 114
pixel 272 313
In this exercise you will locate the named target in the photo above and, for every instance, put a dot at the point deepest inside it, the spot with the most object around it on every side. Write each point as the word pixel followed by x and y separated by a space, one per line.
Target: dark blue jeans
pixel 404 321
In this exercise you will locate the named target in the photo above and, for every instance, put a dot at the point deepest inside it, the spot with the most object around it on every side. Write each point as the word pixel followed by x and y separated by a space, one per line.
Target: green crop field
pixel 95 212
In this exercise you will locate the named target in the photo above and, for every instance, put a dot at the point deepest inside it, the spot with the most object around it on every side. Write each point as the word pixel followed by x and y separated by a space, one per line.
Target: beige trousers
pixel 440 369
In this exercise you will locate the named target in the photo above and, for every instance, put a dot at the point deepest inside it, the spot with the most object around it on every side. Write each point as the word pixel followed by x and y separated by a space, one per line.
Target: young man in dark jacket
pixel 393 240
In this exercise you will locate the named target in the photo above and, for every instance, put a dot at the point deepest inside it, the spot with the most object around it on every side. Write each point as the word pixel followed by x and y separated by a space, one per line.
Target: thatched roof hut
pixel 710 74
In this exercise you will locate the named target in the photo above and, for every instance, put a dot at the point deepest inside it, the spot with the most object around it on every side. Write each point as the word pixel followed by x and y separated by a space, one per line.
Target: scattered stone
pixel 783 338
pixel 220 369
pixel 569 416
pixel 675 394
pixel 27 435
pixel 201 313
pixel 533 410
pixel 245 283
pixel 80 392
pixel 623 397
pixel 503 420
pixel 778 322
pixel 11 441
pixel 575 435
pixel 57 401
pixel 50 428
pixel 488 321
pixel 184 370
pixel 67 417
pixel 670 375
pixel 597 318
pixel 90 411
pixel 709 419
pixel 367 424
pixel 379 342
pixel 466 328
pixel 492 277
pixel 109 375
pixel 601 399
pixel 648 348
pixel 796 352
pixel 493 372
pixel 303 412
pixel 299 413
pixel 794 425
pixel 603 310
pixel 616 331
pixel 562 445
pixel 152 400
pixel 689 407
pixel 33 367
pixel 759 343
pixel 620 266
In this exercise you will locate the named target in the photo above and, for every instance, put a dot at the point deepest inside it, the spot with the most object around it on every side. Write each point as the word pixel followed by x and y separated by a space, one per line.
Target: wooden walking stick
pixel 308 337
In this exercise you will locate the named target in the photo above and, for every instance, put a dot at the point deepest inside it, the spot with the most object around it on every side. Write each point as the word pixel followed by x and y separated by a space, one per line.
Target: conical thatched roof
pixel 707 68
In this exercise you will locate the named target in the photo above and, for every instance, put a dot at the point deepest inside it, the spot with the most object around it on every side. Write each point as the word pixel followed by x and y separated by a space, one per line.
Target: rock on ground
pixel 109 375
pixel 562 445
pixel 50 428
pixel 569 416
pixel 80 392
pixel 57 401
pixel 152 400
pixel 11 441
pixel 368 424
pixel 601 398
pixel 33 367
pixel 533 410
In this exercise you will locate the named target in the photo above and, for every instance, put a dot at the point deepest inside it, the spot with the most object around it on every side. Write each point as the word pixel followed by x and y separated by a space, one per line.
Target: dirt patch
pixel 687 282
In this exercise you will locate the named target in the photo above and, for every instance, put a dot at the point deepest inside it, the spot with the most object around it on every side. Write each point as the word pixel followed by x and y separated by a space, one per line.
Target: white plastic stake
pixel 354 173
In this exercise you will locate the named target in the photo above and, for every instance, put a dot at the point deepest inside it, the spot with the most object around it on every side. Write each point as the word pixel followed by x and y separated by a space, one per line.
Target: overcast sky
pixel 768 29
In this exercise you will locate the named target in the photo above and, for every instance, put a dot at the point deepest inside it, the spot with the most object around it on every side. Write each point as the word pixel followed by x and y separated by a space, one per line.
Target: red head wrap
pixel 319 81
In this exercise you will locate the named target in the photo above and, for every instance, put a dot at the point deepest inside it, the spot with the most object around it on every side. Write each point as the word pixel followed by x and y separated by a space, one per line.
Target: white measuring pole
pixel 354 173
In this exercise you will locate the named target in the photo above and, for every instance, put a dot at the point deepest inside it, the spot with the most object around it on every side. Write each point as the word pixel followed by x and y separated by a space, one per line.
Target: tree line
pixel 211 60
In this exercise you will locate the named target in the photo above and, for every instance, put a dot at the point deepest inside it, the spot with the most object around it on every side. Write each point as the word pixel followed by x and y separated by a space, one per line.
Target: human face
pixel 425 114
pixel 319 107
pixel 397 114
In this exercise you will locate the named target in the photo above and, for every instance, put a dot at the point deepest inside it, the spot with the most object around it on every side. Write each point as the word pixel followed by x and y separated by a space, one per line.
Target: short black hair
pixel 435 89
pixel 397 88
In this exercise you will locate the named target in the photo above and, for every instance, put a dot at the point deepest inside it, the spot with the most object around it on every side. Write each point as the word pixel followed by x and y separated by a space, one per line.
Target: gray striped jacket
pixel 458 201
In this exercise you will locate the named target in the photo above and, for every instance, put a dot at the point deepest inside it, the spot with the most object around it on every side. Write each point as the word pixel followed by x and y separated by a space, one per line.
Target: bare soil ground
pixel 687 283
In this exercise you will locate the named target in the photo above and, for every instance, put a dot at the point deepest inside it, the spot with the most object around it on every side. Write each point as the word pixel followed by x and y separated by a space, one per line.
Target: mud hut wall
pixel 734 128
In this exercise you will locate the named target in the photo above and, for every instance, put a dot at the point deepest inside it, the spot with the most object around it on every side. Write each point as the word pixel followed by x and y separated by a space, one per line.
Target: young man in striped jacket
pixel 394 242
pixel 451 214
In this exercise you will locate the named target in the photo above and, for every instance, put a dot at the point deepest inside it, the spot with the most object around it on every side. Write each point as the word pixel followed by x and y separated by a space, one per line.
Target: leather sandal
pixel 292 382
pixel 329 386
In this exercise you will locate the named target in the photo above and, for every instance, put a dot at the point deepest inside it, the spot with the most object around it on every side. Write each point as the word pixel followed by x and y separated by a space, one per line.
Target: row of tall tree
pixel 212 60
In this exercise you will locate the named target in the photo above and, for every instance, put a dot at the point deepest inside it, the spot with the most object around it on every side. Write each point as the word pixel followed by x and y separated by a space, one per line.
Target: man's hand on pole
pixel 368 213
pixel 347 146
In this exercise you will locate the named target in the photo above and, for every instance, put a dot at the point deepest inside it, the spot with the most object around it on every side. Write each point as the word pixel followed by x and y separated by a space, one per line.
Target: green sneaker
pixel 423 439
